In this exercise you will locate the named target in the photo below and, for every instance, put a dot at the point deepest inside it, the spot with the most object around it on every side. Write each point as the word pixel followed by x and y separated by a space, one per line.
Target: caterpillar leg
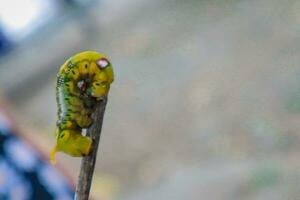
pixel 72 143
pixel 99 89
pixel 84 121
pixel 74 101
pixel 81 119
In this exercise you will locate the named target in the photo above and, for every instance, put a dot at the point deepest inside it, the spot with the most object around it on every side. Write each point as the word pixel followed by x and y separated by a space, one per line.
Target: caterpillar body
pixel 82 80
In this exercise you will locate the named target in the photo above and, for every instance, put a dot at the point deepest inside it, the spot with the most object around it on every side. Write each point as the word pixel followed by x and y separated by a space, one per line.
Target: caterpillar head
pixel 95 65
pixel 102 80
pixel 72 143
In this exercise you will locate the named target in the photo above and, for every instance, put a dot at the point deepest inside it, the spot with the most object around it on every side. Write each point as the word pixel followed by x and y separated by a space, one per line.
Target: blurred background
pixel 205 103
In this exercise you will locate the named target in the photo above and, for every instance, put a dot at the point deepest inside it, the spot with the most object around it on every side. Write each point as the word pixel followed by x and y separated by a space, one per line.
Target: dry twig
pixel 88 162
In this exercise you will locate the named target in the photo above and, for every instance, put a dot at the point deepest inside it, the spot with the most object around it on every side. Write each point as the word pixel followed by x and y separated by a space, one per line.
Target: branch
pixel 88 162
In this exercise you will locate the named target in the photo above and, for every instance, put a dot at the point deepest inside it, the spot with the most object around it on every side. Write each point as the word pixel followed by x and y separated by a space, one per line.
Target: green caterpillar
pixel 81 81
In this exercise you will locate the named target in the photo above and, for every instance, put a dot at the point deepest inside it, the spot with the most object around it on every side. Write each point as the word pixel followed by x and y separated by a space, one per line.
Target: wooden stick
pixel 88 162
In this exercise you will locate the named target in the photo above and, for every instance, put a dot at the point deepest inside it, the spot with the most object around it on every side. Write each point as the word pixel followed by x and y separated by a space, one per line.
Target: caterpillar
pixel 82 80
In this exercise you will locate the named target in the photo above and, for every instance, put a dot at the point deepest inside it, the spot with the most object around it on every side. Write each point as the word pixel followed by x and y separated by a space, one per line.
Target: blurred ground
pixel 205 104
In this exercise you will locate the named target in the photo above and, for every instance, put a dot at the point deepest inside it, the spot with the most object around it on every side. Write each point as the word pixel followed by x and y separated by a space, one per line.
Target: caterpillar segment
pixel 82 80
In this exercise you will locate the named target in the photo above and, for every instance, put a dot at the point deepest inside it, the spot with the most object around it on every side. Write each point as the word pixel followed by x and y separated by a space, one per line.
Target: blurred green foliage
pixel 264 177
pixel 293 103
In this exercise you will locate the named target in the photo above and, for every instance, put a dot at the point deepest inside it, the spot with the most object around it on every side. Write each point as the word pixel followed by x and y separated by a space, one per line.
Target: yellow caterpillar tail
pixel 52 155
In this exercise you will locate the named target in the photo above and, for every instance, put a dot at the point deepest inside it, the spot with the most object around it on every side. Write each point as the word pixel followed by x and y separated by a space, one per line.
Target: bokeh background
pixel 206 100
